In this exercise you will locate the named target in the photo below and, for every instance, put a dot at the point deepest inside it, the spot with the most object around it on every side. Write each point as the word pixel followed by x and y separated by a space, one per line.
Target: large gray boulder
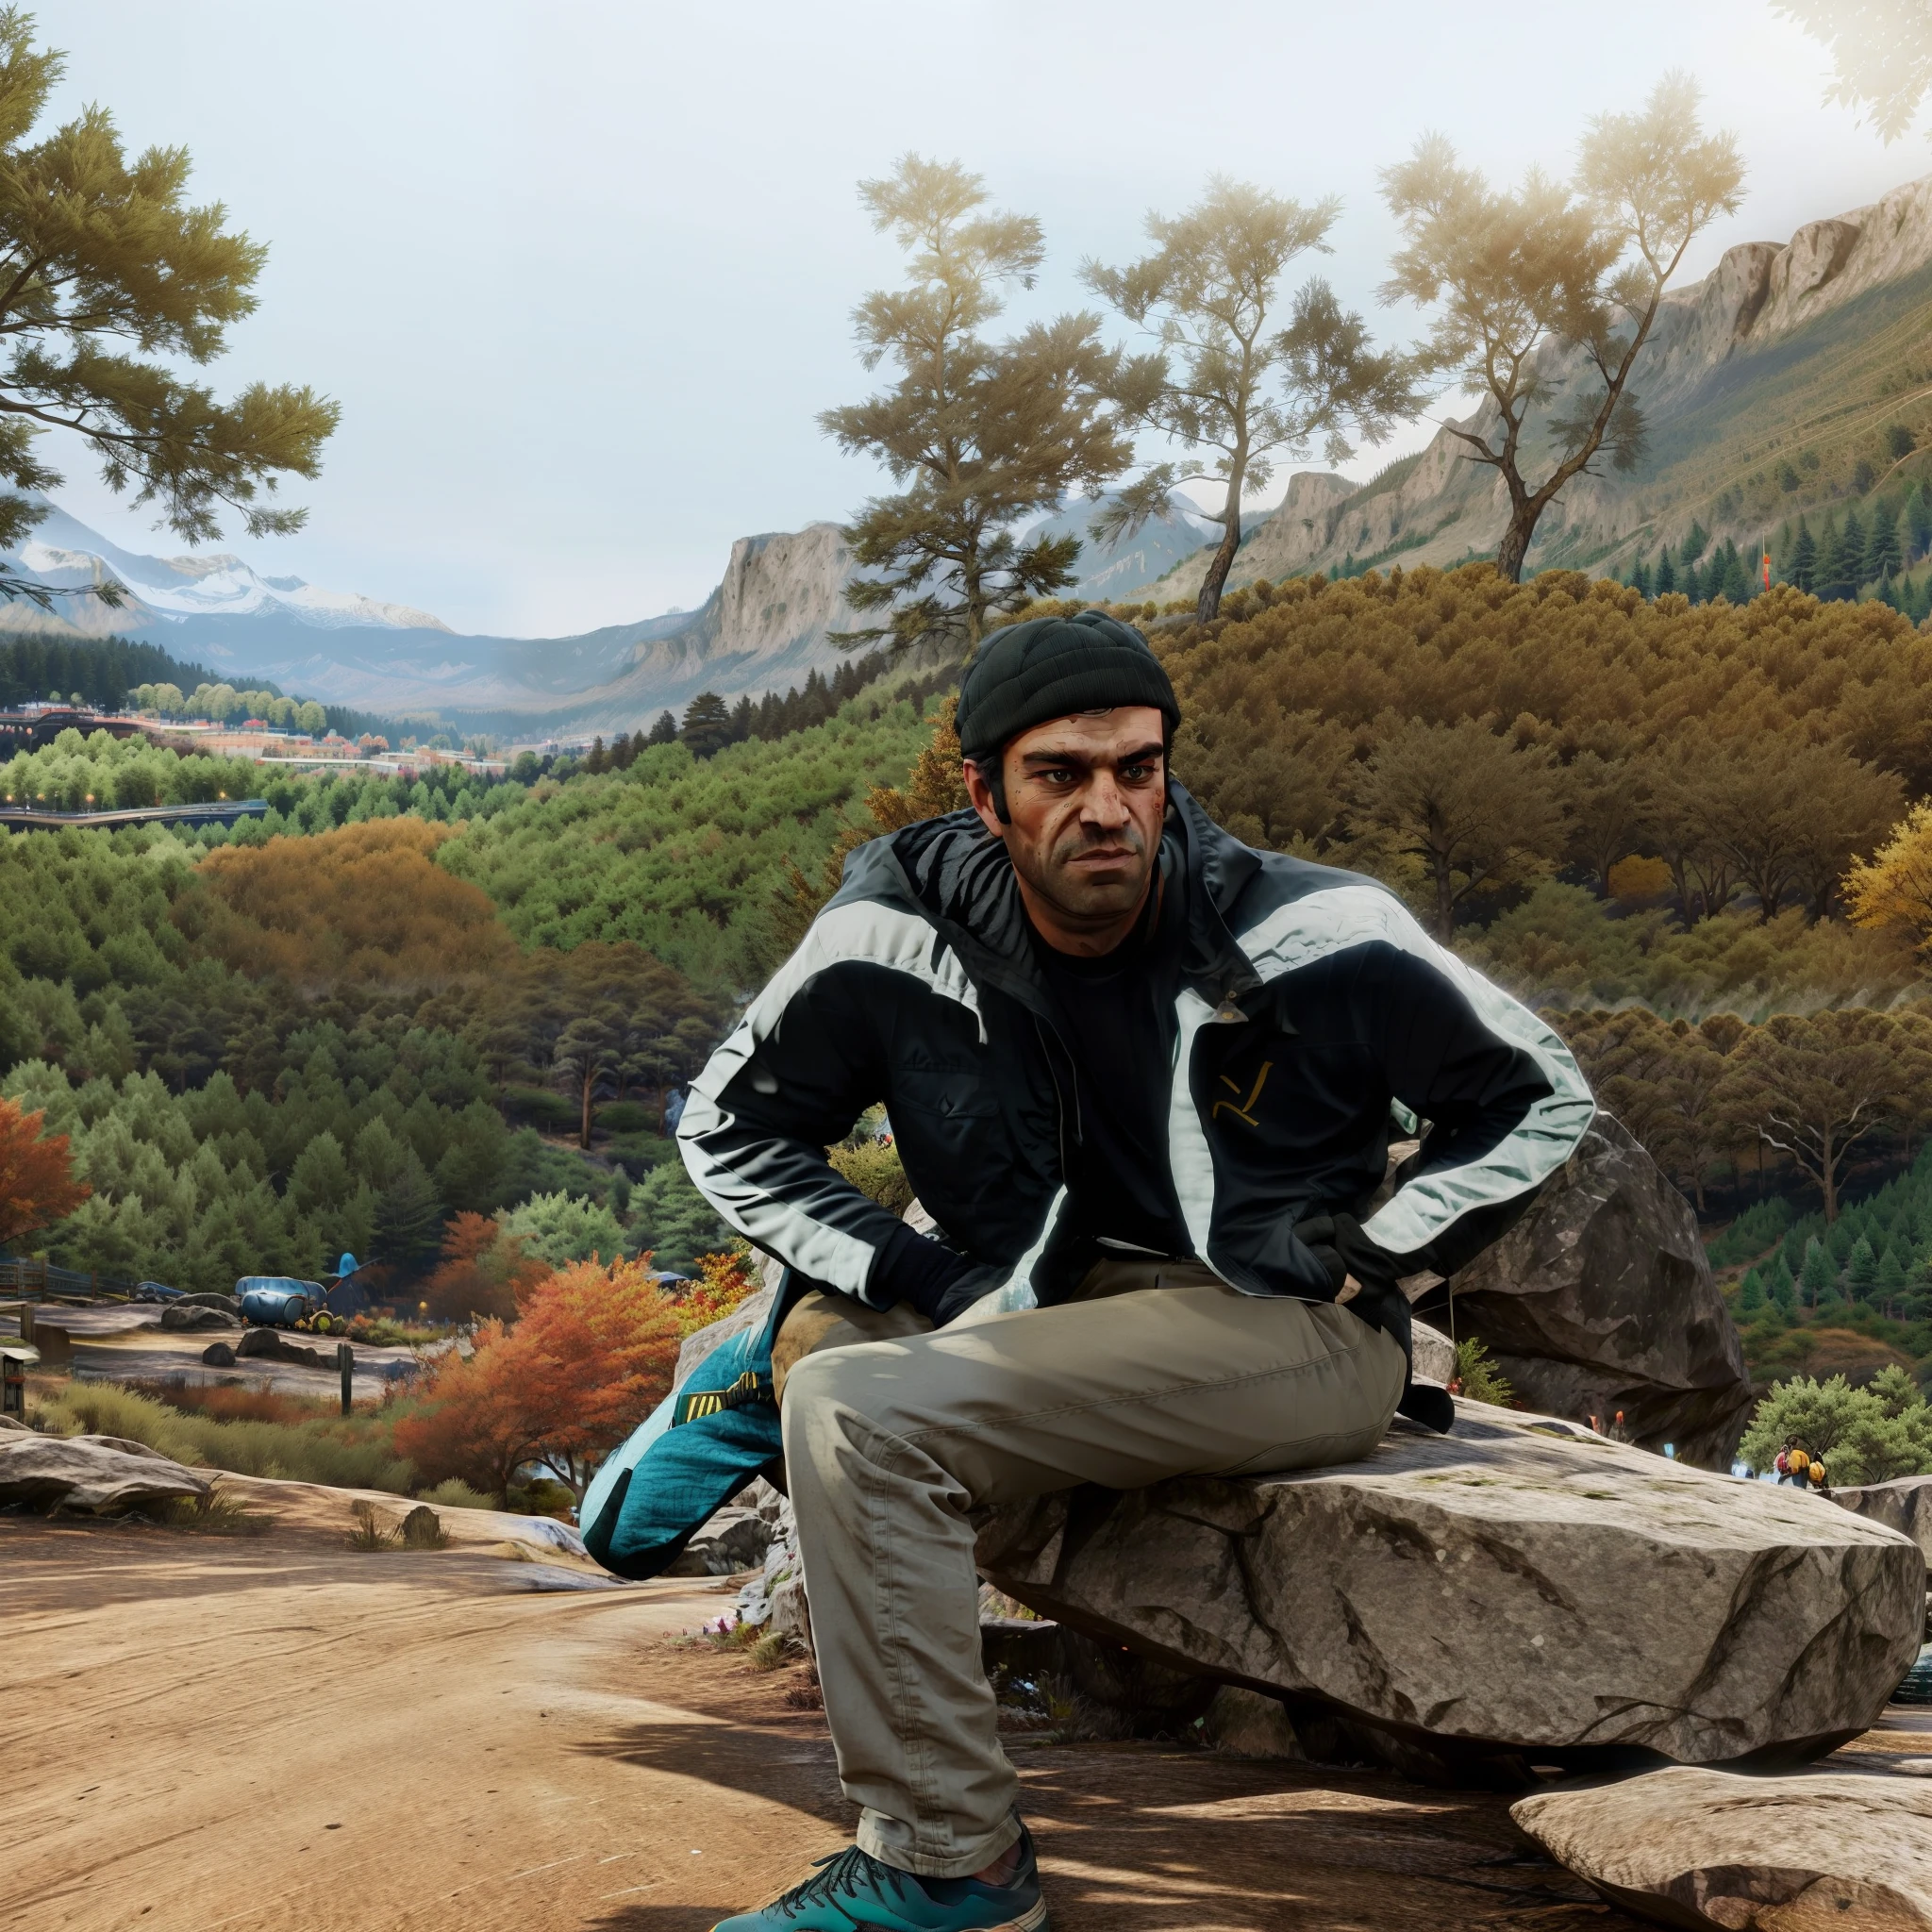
pixel 1601 1299
pixel 1697 1848
pixel 190 1316
pixel 1520 1586
pixel 1904 1505
pixel 731 1541
pixel 101 1474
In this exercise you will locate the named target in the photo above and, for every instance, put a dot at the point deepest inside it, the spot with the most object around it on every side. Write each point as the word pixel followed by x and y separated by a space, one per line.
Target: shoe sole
pixel 1034 1921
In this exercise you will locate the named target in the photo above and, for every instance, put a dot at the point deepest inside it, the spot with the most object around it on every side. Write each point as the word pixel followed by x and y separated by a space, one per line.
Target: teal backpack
pixel 715 1431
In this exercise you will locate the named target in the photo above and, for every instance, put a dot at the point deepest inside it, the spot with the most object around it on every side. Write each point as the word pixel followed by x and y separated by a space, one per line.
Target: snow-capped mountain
pixel 764 627
pixel 63 550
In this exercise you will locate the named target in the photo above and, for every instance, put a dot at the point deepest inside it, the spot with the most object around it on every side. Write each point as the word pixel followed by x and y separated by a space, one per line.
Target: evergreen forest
pixel 1685 831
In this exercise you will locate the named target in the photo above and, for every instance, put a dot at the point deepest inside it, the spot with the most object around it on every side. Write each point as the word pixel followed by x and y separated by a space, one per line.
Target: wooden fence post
pixel 346 1361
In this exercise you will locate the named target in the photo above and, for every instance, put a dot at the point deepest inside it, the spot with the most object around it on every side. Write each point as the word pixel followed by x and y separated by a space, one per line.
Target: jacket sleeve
pixel 800 1066
pixel 1506 1103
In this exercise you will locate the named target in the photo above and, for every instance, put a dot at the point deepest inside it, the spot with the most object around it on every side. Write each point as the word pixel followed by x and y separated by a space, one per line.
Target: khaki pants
pixel 1159 1371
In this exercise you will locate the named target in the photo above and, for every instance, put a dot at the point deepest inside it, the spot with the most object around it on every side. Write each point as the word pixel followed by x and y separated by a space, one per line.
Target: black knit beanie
pixel 1029 673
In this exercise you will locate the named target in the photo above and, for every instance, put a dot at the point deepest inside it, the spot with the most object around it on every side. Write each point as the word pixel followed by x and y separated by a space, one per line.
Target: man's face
pixel 1086 795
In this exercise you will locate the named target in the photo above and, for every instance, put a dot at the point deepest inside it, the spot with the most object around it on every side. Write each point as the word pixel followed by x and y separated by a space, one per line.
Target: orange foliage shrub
pixel 483 1272
pixel 1299 678
pixel 723 1281
pixel 590 1356
pixel 367 905
pixel 37 1184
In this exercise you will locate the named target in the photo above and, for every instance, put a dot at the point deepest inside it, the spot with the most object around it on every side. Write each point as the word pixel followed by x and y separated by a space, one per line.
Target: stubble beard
pixel 1080 900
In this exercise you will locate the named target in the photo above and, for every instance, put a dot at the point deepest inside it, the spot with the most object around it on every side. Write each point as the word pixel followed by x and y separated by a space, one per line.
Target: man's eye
pixel 1139 774
pixel 1057 775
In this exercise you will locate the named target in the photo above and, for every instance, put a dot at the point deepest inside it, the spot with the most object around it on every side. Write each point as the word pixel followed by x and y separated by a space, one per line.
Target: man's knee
pixel 850 1382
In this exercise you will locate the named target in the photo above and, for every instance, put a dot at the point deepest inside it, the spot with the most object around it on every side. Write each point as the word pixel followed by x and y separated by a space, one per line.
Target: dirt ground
pixel 203 1734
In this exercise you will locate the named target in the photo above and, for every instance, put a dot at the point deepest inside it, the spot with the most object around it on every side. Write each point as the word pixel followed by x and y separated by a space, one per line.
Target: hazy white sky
pixel 580 274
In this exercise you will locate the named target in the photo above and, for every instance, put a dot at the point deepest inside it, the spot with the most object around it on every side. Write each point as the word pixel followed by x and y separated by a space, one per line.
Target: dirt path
pixel 205 1735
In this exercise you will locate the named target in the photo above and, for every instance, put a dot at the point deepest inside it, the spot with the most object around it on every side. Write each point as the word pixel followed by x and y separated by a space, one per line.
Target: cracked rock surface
pixel 1601 1299
pixel 1699 1848
pixel 1519 1586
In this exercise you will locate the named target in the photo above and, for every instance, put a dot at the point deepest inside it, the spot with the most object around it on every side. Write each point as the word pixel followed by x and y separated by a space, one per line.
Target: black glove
pixel 938 1281
pixel 1340 1245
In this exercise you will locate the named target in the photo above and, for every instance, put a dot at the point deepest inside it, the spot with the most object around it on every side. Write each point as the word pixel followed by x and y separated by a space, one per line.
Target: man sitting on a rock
pixel 1143 1079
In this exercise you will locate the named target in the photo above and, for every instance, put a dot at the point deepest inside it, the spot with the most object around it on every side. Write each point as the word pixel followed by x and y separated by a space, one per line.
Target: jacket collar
pixel 958 875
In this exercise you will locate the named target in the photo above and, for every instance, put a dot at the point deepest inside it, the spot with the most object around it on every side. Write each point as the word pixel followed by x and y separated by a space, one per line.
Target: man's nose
pixel 1105 802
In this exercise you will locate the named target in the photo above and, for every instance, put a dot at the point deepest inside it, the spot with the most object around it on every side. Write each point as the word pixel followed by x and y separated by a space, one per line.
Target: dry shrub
pixel 232 1402
pixel 365 905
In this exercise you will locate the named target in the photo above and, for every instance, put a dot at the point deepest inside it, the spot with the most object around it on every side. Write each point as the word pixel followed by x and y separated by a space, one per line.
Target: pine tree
pixel 1692 546
pixel 1241 387
pixel 1883 554
pixel 1505 272
pixel 113 286
pixel 978 436
pixel 1862 1269
pixel 1850 570
pixel 1665 573
pixel 1891 1277
pixel 1751 1292
pixel 665 730
pixel 1640 579
pixel 1783 1289
pixel 1692 582
pixel 1733 584
pixel 598 759
pixel 1918 519
pixel 1819 1276
pixel 706 725
pixel 1803 568
pixel 741 719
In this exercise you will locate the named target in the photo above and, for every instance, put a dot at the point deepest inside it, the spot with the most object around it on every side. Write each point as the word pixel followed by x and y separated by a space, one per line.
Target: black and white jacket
pixel 1313 1012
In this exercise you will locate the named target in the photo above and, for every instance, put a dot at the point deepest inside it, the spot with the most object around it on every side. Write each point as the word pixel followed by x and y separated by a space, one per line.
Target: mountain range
pixel 764 627
pixel 1776 387
pixel 1770 389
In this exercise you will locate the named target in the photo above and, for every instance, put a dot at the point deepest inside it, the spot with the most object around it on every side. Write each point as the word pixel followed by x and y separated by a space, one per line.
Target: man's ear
pixel 987 792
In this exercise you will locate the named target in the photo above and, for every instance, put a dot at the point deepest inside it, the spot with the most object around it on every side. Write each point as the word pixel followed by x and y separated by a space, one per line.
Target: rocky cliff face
pixel 1725 383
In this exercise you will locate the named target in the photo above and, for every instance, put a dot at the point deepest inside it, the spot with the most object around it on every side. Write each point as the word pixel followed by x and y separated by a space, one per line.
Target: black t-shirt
pixel 1115 1016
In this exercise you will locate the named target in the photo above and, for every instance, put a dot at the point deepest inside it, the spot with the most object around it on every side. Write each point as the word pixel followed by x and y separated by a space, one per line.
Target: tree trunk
pixel 1207 607
pixel 1828 1173
pixel 1515 544
pixel 589 1083
pixel 1445 902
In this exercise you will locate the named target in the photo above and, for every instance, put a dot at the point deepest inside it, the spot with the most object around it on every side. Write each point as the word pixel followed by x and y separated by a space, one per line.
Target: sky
pixel 581 275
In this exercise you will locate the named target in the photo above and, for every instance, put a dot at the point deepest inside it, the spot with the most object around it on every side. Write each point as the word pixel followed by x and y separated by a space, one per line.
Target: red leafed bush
pixel 37 1184
pixel 590 1356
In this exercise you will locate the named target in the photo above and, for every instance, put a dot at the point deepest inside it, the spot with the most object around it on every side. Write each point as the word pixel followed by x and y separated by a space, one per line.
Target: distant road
pixel 21 818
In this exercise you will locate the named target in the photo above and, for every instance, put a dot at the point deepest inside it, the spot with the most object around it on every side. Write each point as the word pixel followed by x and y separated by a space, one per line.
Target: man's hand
pixel 1339 1243
pixel 938 1281
pixel 971 1288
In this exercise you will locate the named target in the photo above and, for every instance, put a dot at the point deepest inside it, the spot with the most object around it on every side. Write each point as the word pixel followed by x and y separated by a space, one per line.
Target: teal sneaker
pixel 853 1893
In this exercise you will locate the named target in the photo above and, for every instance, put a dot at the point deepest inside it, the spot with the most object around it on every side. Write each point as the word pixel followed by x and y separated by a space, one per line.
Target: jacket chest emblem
pixel 1242 1109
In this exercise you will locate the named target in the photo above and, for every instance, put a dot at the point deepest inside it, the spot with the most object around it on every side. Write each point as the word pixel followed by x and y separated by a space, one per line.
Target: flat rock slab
pixel 1708 1848
pixel 1520 1585
pixel 101 1474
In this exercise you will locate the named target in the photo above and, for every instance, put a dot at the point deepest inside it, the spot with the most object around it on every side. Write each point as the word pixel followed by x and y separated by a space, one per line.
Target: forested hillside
pixel 1683 830
pixel 387 1003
